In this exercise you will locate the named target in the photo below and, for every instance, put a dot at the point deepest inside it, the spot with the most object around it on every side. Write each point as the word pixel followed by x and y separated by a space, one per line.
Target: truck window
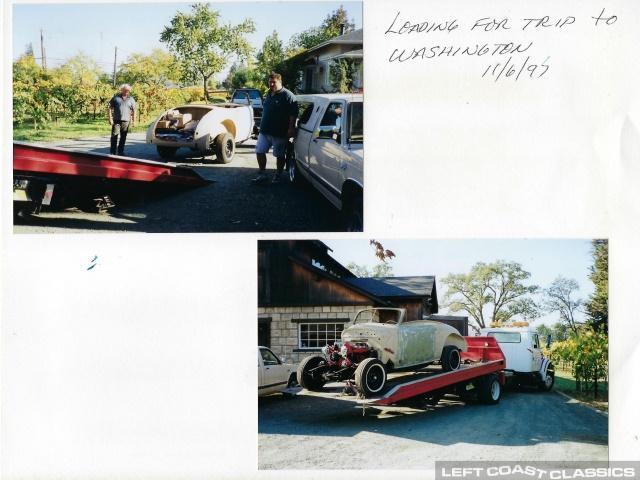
pixel 535 340
pixel 305 109
pixel 505 337
pixel 355 122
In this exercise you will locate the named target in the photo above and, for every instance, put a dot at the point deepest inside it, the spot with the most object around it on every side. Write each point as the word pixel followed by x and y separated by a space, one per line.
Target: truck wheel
pixel 370 376
pixel 450 359
pixel 547 383
pixel 353 215
pixel 309 375
pixel 166 152
pixel 490 390
pixel 225 147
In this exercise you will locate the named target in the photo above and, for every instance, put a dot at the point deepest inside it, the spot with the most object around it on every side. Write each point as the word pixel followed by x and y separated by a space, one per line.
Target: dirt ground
pixel 230 204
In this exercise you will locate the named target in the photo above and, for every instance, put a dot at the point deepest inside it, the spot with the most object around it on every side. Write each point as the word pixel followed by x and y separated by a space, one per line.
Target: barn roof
pixel 387 287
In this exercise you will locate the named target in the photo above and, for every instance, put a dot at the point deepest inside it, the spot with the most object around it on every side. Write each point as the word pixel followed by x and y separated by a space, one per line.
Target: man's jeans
pixel 119 128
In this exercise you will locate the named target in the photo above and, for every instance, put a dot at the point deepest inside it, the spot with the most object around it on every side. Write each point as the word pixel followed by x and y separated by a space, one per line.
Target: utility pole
pixel 44 57
pixel 115 62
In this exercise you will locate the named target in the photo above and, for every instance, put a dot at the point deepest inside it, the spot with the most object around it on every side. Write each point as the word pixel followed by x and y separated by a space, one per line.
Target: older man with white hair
pixel 122 115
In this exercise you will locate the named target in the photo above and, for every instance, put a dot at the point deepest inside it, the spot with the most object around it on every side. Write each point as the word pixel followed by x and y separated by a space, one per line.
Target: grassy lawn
pixel 88 127
pixel 565 383
pixel 66 130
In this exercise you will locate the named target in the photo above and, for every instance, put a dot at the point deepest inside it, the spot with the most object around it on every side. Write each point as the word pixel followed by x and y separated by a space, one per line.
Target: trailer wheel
pixel 309 375
pixel 166 152
pixel 547 383
pixel 490 390
pixel 450 359
pixel 225 147
pixel 370 376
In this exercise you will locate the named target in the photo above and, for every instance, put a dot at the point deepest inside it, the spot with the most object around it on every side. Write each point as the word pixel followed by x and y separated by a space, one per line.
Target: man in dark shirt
pixel 121 108
pixel 279 114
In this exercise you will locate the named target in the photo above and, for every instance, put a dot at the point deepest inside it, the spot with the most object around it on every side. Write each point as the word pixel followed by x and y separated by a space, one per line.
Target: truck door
pixel 307 117
pixel 326 149
pixel 536 359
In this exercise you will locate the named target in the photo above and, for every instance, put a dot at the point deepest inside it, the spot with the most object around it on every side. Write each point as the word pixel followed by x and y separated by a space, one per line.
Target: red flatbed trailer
pixel 40 172
pixel 39 159
pixel 483 368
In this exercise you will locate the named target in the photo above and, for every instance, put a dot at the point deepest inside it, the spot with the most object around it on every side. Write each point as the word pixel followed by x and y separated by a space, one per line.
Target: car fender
pixel 457 340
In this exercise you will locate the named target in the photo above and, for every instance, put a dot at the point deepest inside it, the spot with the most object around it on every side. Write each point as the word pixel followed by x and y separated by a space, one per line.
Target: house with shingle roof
pixel 315 75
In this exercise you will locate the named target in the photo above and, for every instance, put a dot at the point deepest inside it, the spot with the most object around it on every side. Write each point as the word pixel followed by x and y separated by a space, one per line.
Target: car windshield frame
pixel 379 316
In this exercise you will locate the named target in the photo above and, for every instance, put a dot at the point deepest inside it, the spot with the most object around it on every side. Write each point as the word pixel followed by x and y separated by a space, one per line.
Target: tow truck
pixel 480 377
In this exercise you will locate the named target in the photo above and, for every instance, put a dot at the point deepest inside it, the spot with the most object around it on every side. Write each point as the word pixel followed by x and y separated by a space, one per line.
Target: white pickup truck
pixel 526 365
pixel 274 375
pixel 328 149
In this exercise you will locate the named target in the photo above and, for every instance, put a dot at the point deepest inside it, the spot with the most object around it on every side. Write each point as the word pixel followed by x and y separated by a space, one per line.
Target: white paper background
pixel 144 366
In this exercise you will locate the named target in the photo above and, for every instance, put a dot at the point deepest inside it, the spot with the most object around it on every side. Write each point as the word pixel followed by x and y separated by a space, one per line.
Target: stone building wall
pixel 284 331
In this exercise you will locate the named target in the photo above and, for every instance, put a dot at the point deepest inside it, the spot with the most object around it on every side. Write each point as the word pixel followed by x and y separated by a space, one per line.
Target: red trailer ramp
pixel 32 159
pixel 56 176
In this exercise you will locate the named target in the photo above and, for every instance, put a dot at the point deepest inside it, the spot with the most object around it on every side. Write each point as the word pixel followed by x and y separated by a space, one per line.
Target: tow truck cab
pixel 526 365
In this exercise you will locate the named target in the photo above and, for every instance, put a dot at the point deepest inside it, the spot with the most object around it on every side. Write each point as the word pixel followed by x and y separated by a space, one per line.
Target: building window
pixel 308 84
pixel 317 335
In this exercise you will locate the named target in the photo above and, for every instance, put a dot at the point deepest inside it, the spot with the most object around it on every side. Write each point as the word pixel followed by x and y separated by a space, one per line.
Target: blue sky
pixel 544 259
pixel 97 28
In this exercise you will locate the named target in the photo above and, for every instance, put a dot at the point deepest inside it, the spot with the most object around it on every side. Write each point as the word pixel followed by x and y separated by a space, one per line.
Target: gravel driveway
pixel 230 204
pixel 324 431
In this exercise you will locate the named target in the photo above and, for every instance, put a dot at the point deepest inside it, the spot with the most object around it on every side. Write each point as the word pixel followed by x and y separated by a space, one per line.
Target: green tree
pixel 558 298
pixel 247 77
pixel 492 292
pixel 33 92
pixel 271 56
pixel 342 73
pixel 79 85
pixel 560 331
pixel 588 352
pixel 329 29
pixel 204 45
pixel 226 83
pixel 154 69
pixel 598 305
pixel 380 270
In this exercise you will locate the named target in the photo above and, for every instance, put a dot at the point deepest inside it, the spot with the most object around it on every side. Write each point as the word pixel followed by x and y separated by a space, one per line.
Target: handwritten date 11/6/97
pixel 511 68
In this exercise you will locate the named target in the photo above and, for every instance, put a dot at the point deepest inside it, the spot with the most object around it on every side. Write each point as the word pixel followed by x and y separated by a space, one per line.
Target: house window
pixel 308 84
pixel 317 335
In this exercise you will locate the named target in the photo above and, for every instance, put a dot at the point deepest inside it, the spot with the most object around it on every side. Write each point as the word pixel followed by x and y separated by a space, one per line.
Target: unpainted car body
pixel 274 375
pixel 205 129
pixel 399 343
pixel 378 341
pixel 328 149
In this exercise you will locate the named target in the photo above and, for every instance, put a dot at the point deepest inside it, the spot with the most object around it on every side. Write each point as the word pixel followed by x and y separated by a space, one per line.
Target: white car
pixel 274 375
pixel 205 129
pixel 328 149
pixel 378 341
